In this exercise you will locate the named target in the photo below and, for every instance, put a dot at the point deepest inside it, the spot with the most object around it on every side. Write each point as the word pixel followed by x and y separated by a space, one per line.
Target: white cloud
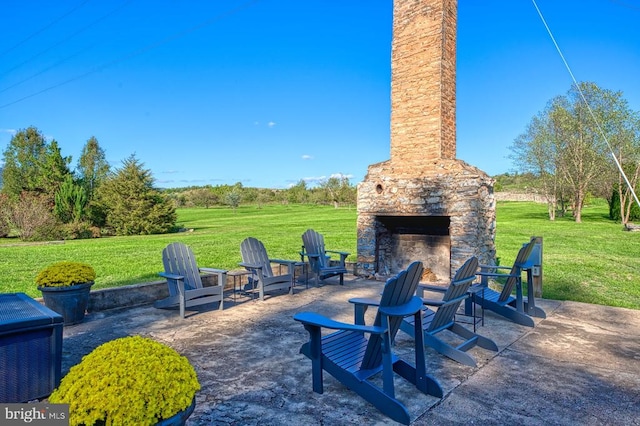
pixel 314 180
pixel 271 124
pixel 9 131
pixel 341 175
pixel 307 157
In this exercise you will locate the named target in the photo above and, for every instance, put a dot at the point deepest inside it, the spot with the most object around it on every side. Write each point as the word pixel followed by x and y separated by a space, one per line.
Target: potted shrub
pixel 132 380
pixel 65 288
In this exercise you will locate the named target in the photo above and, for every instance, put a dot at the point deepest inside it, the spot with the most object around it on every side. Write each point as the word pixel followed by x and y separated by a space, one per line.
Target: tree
pixel 31 216
pixel 565 145
pixel 54 170
pixel 132 205
pixel 537 152
pixel 92 168
pixel 33 165
pixel 70 201
pixel 337 189
pixel 298 193
pixel 203 197
pixel 233 198
pixel 5 210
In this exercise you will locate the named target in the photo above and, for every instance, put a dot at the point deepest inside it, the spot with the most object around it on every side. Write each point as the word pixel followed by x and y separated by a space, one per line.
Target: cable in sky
pixel 32 76
pixel 41 30
pixel 575 82
pixel 137 52
pixel 102 18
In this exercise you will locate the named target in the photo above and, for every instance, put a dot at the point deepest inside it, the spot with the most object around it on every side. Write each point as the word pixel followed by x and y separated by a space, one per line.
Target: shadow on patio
pixel 580 365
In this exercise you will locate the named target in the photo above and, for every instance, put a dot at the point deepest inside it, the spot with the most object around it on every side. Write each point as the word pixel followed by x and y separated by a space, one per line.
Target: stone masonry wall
pixel 463 193
pixel 423 82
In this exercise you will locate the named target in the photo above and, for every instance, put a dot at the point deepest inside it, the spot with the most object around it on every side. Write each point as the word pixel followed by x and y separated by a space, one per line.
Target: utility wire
pixel 138 52
pixel 69 37
pixel 61 61
pixel 41 30
pixel 584 99
pixel 624 4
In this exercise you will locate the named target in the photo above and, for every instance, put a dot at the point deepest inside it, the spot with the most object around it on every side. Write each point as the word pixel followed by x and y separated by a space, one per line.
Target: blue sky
pixel 269 92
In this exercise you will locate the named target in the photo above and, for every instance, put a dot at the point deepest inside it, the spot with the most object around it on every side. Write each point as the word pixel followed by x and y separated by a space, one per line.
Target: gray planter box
pixel 30 349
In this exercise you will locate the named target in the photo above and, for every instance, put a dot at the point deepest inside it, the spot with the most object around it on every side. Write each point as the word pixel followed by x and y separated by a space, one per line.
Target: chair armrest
pixel 213 270
pixel 493 267
pixel 313 255
pixel 432 287
pixel 365 301
pixel 250 265
pixel 496 274
pixel 433 302
pixel 171 276
pixel 456 300
pixel 360 307
pixel 317 320
pixel 284 261
pixel 219 272
pixel 411 307
pixel 341 253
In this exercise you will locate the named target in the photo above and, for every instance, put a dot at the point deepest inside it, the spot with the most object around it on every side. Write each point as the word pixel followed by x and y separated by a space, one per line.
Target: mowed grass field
pixel 594 261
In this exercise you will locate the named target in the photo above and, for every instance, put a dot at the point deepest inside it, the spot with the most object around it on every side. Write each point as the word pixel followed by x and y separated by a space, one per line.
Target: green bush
pixel 61 274
pixel 128 381
pixel 614 209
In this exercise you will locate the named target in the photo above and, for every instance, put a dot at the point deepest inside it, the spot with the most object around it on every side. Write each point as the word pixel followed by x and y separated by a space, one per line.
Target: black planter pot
pixel 70 301
pixel 180 418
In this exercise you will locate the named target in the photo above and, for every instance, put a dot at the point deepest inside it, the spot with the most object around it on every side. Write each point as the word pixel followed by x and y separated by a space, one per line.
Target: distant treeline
pixel 333 191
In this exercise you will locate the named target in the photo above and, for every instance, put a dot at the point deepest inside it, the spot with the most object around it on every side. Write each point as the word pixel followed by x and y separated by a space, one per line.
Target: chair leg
pixel 467 334
pixel 182 297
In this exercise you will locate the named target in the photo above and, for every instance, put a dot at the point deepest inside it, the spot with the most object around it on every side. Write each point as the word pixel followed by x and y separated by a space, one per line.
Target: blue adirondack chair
pixel 443 319
pixel 255 259
pixel 357 352
pixel 185 283
pixel 503 302
pixel 320 258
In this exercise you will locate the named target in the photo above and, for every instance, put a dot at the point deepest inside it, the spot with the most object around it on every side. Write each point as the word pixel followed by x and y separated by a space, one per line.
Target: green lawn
pixel 594 261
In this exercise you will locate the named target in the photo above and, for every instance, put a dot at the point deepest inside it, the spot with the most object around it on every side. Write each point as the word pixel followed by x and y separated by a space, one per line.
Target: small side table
pixel 235 274
pixel 305 272
pixel 473 290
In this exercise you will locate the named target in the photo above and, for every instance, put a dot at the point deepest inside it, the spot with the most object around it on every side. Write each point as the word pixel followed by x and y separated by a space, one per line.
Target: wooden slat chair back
pixel 184 280
pixel 444 318
pixel 392 295
pixel 357 352
pixel 320 259
pixel 504 302
pixel 254 252
pixel 456 293
pixel 255 259
pixel 179 259
pixel 515 276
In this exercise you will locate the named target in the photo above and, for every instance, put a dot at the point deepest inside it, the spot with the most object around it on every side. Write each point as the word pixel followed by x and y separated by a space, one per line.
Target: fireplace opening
pixel 401 240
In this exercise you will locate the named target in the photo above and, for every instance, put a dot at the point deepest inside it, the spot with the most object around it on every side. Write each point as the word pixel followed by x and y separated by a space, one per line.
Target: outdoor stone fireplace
pixel 423 203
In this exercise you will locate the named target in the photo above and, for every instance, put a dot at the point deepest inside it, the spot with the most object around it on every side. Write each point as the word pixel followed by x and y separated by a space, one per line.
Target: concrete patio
pixel 580 365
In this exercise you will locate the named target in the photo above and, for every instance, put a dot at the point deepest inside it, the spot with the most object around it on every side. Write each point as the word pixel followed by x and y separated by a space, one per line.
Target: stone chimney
pixel 424 204
pixel 423 83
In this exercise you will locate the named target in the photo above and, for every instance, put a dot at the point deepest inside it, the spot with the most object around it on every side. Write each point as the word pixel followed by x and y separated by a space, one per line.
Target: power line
pixel 584 99
pixel 625 4
pixel 41 30
pixel 46 69
pixel 137 52
pixel 86 27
